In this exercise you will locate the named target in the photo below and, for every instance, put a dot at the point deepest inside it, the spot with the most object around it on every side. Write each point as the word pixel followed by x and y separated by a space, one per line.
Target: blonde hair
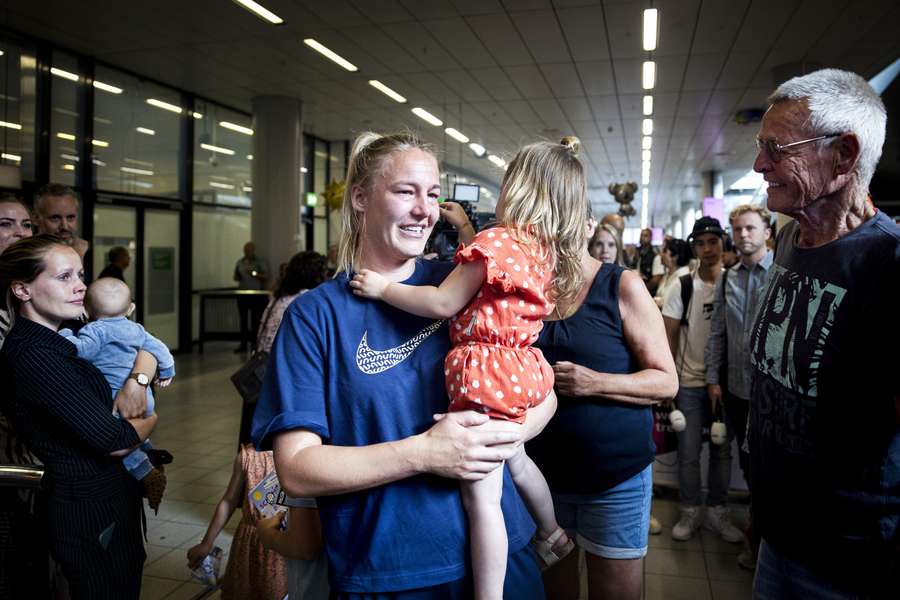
pixel 614 233
pixel 741 209
pixel 368 160
pixel 545 201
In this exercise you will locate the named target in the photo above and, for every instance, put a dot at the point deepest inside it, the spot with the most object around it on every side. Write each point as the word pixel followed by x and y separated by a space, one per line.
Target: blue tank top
pixel 592 444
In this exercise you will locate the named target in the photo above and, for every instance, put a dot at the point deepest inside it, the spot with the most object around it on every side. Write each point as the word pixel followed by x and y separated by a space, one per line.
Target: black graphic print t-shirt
pixel 824 438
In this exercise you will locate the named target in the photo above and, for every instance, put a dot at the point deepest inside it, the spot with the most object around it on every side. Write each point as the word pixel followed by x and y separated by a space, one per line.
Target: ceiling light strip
pixel 164 105
pixel 107 87
pixel 457 135
pixel 64 74
pixel 134 171
pixel 651 29
pixel 427 116
pixel 236 127
pixel 330 55
pixel 218 149
pixel 261 11
pixel 387 91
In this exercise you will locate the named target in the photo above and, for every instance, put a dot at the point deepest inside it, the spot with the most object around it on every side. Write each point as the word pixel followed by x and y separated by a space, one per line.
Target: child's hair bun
pixel 572 143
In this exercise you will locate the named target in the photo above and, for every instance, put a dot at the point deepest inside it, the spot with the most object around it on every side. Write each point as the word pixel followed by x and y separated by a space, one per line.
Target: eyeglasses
pixel 776 150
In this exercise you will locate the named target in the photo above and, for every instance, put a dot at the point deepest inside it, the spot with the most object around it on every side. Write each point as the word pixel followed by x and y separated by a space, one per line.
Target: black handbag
pixel 249 378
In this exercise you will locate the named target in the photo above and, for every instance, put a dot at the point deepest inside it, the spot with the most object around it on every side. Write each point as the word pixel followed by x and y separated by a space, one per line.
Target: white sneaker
pixel 688 523
pixel 719 521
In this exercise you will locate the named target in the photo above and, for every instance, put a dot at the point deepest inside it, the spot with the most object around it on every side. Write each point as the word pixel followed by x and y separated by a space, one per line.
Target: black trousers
pixel 250 311
pixel 24 562
pixel 95 536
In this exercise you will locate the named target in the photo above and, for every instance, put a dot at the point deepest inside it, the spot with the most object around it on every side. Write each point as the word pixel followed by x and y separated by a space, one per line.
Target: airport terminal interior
pixel 187 129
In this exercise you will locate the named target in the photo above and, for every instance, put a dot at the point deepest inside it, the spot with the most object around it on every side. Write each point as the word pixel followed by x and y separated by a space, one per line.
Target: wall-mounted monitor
pixel 466 191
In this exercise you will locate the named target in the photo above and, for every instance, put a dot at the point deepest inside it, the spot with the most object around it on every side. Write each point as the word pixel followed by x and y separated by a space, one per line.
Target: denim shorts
pixel 613 524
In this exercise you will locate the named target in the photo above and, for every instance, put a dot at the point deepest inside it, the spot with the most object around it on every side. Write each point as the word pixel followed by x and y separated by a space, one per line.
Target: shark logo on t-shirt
pixel 372 361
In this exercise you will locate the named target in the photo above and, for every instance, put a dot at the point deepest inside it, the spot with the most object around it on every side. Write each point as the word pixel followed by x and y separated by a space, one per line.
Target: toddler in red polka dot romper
pixel 507 279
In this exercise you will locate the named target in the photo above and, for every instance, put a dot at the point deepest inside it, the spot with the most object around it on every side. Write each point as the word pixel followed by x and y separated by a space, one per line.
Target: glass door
pixel 160 248
pixel 115 227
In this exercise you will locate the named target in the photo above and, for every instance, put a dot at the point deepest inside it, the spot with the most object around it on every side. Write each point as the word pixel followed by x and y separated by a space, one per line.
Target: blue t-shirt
pixel 824 438
pixel 359 372
pixel 593 444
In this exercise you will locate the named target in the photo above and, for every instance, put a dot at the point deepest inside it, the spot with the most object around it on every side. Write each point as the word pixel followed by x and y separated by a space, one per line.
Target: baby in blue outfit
pixel 111 342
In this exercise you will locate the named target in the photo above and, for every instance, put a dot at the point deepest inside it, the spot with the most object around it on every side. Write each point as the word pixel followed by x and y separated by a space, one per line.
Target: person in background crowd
pixel 350 396
pixel 606 245
pixel 730 252
pixel 597 451
pixel 648 265
pixel 15 221
pixel 302 273
pixel 735 300
pixel 250 273
pixel 630 256
pixel 676 257
pixel 15 224
pixel 687 329
pixel 824 394
pixel 56 213
pixel 63 410
pixel 119 260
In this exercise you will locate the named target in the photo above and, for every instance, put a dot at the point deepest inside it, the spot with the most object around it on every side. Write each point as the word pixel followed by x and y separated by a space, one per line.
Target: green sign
pixel 311 199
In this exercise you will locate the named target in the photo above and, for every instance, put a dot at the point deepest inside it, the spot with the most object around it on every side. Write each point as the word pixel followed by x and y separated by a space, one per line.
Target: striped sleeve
pixel 55 385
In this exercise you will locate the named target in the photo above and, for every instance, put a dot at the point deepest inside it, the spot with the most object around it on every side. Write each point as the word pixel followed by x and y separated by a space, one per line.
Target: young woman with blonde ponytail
pixel 509 278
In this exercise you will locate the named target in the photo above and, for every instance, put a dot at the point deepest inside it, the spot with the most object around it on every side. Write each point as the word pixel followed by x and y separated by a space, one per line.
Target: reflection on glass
pixel 135 145
pixel 223 147
pixel 65 119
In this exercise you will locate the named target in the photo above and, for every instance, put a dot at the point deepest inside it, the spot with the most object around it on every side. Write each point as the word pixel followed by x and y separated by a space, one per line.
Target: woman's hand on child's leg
pixel 369 284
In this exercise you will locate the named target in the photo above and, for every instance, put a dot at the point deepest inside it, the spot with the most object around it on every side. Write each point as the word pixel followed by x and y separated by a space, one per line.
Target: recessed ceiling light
pixel 218 149
pixel 221 186
pixel 456 135
pixel 65 136
pixel 164 105
pixel 249 157
pixel 107 88
pixel 329 54
pixel 647 127
pixel 235 127
pixel 645 179
pixel 304 170
pixel 68 167
pixel 9 125
pixel 648 77
pixel 497 160
pixel 197 115
pixel 134 171
pixel 64 74
pixel 71 157
pixel 645 155
pixel 478 149
pixel 651 28
pixel 12 157
pixel 142 184
pixel 645 165
pixel 100 143
pixel 261 11
pixel 648 105
pixel 145 131
pixel 427 116
pixel 386 91
pixel 646 143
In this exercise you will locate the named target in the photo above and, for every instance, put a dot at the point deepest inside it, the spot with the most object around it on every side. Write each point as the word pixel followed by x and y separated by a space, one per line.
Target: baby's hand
pixel 369 284
pixel 164 382
pixel 454 214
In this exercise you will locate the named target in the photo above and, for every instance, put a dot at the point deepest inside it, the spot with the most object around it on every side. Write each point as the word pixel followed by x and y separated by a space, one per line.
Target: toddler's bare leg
pixel 535 493
pixel 487 531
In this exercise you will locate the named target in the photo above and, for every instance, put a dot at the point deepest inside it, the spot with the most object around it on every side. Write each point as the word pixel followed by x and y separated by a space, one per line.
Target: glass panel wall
pixel 223 144
pixel 18 71
pixel 66 131
pixel 136 135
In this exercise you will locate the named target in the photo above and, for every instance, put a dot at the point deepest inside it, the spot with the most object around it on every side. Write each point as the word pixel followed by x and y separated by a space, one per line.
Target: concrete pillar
pixel 277 158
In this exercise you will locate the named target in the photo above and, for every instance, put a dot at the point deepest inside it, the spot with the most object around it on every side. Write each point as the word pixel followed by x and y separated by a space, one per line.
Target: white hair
pixel 841 102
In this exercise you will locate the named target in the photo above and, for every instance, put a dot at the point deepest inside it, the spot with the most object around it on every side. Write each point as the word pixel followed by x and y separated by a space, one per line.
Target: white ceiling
pixel 504 72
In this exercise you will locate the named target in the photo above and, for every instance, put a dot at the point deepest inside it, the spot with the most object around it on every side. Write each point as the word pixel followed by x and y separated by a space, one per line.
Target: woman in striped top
pixel 61 407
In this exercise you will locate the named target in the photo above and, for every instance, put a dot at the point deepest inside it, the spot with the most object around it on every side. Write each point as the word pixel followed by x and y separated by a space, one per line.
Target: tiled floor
pixel 199 416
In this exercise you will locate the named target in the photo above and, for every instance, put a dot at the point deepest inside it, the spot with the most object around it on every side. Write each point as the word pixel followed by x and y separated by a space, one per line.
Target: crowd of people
pixel 448 431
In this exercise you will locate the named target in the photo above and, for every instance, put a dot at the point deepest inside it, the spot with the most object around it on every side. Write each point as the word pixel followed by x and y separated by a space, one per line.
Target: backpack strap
pixel 687 290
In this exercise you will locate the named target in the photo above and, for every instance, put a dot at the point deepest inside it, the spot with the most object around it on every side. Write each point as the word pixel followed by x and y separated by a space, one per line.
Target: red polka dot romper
pixel 492 367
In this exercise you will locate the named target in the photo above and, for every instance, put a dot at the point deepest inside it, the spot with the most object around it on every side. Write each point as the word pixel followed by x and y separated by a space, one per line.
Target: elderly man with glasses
pixel 824 430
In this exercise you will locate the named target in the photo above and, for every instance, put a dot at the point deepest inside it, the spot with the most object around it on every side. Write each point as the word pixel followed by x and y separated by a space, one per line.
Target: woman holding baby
pixel 61 406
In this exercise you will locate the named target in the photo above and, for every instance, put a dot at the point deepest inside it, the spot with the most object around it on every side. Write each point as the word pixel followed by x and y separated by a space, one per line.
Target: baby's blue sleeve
pixel 88 342
pixel 165 362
